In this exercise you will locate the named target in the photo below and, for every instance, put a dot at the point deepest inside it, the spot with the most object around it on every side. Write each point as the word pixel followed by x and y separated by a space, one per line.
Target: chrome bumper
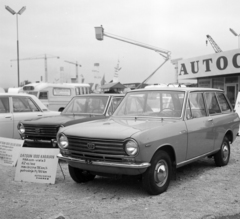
pixel 106 164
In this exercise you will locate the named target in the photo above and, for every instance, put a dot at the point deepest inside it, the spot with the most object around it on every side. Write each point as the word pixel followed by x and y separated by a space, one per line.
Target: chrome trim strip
pixel 197 158
pixel 109 164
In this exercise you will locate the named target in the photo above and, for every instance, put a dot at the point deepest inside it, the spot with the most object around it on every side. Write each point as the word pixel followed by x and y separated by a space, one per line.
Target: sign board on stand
pixel 37 165
pixel 9 151
pixel 237 107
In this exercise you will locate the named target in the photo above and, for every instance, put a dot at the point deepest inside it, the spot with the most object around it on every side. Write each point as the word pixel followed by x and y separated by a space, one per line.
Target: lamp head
pixel 233 32
pixel 99 33
pixel 10 10
pixel 22 10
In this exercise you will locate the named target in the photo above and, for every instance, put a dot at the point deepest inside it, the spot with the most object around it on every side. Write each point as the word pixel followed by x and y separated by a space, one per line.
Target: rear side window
pixel 4 105
pixel 212 103
pixel 24 104
pixel 224 105
pixel 196 107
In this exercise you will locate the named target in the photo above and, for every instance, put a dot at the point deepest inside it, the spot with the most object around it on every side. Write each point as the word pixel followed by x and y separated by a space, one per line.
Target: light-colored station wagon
pixel 152 133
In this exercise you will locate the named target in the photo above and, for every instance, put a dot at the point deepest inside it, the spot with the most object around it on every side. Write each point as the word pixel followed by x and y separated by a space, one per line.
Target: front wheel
pixel 221 158
pixel 157 177
pixel 80 176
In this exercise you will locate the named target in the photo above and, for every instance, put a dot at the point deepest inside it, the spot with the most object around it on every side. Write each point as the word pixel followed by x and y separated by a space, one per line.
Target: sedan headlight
pixel 21 128
pixel 131 147
pixel 62 141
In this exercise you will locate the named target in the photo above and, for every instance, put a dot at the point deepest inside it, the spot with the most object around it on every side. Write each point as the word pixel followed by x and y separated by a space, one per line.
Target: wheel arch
pixel 229 135
pixel 170 150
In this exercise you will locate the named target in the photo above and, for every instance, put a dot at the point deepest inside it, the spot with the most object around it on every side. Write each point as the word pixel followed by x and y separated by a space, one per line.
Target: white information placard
pixel 37 165
pixel 237 107
pixel 9 151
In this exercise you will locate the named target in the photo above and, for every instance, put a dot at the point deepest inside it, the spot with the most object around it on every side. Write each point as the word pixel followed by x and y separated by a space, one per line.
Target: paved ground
pixel 201 191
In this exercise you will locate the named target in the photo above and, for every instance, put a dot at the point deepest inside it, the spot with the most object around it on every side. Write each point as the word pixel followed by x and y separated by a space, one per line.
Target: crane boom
pixel 214 44
pixel 45 57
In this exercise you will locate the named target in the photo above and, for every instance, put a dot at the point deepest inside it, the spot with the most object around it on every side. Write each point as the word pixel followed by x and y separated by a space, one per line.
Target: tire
pixel 222 157
pixel 157 177
pixel 80 176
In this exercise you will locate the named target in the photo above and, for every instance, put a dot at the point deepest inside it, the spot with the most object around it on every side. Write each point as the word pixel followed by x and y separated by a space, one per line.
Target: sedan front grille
pixel 96 149
pixel 41 131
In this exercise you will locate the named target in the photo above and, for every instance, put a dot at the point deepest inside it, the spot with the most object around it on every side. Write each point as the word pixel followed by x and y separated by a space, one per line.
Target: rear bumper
pixel 106 167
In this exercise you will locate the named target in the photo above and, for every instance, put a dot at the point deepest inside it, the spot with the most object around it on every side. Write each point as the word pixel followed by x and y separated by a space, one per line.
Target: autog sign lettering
pixel 211 65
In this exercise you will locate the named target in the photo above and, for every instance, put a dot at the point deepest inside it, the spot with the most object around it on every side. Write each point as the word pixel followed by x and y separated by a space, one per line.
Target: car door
pixel 6 118
pixel 24 108
pixel 199 126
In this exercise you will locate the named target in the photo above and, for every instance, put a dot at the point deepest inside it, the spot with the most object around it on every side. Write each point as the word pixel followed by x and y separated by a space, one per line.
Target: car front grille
pixel 41 131
pixel 96 149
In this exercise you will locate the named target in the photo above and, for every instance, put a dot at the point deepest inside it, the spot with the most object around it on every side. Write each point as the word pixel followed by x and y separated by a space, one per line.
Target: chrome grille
pixel 41 131
pixel 103 149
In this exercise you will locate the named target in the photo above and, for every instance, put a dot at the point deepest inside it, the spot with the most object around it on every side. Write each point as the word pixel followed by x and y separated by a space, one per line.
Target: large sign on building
pixel 217 64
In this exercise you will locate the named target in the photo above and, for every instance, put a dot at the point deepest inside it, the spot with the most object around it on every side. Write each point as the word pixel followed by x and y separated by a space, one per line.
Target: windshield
pixel 152 104
pixel 86 104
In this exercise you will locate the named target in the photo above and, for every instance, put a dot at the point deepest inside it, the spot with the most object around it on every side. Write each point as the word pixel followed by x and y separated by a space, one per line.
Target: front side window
pixel 195 106
pixel 212 103
pixel 91 104
pixel 224 105
pixel 152 104
pixel 24 104
pixel 43 95
pixel 4 105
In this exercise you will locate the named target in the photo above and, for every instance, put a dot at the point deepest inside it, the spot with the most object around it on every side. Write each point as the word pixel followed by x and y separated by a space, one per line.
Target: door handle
pixel 8 117
pixel 39 115
pixel 210 120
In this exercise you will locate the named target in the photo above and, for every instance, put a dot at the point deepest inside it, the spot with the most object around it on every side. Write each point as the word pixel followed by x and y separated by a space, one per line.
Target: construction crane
pixel 77 65
pixel 45 57
pixel 214 44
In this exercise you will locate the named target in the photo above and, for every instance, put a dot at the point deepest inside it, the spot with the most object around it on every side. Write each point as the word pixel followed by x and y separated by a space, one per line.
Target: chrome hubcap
pixel 225 152
pixel 161 173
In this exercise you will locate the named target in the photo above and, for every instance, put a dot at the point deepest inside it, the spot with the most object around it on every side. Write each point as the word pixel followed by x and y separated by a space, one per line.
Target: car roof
pixel 101 95
pixel 15 94
pixel 177 89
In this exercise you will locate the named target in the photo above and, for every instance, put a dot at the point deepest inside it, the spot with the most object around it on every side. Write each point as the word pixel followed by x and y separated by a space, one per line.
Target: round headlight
pixel 21 128
pixel 131 147
pixel 62 141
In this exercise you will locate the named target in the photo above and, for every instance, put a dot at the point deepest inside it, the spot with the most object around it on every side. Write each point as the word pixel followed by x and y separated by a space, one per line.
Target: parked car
pixel 17 107
pixel 42 132
pixel 153 132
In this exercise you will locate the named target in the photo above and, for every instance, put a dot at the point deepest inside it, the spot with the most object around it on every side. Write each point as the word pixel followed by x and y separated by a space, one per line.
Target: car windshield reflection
pixel 162 104
pixel 87 105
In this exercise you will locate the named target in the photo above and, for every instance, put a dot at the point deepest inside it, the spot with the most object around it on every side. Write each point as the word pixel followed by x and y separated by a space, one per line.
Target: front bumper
pixel 125 168
pixel 40 143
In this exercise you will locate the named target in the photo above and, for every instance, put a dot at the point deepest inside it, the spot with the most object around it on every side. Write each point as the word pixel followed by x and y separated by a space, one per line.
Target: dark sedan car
pixel 42 132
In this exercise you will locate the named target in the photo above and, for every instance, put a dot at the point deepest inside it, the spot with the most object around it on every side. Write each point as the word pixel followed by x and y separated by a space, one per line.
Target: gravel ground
pixel 200 191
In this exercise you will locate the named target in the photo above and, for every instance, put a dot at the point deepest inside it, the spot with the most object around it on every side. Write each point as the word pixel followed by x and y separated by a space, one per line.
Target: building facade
pixel 218 70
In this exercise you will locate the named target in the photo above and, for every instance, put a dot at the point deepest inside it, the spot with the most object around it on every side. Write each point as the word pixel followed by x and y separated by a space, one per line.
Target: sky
pixel 65 29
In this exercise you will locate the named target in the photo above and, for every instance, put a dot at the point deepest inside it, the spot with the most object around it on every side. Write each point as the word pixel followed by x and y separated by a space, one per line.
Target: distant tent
pixel 118 87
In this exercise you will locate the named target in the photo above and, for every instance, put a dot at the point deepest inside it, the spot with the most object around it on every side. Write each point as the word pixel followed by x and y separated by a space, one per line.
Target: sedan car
pixel 42 132
pixel 17 107
pixel 153 132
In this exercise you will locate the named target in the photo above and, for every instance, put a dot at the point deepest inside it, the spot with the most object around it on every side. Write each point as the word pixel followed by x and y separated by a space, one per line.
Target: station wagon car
pixel 153 132
pixel 18 107
pixel 42 132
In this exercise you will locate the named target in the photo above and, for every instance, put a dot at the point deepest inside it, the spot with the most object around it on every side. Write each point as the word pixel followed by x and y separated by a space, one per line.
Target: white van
pixel 55 96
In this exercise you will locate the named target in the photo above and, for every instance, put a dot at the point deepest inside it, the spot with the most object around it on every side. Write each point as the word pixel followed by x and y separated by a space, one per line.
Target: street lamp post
pixel 235 34
pixel 18 13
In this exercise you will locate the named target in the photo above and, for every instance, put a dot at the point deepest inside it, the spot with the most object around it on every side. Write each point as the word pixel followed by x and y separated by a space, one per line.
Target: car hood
pixel 57 120
pixel 113 128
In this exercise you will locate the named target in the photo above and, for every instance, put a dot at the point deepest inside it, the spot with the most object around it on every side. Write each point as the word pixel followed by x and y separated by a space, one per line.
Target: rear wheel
pixel 79 175
pixel 221 158
pixel 157 177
